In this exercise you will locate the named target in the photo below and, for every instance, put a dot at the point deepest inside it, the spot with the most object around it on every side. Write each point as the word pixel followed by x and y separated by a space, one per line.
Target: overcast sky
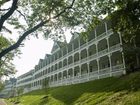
pixel 33 50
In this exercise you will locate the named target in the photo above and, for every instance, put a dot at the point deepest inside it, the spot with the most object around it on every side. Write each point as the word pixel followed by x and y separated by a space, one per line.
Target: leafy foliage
pixel 6 65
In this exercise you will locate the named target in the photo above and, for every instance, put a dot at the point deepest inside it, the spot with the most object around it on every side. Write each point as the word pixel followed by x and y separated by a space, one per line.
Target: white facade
pixel 9 88
pixel 24 81
pixel 98 56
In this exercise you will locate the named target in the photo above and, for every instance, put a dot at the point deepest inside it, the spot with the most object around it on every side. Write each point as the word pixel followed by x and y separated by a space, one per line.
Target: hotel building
pixel 100 55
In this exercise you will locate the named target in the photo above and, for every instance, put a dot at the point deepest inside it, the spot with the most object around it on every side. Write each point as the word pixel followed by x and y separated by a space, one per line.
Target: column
pixel 105 27
pixel 87 52
pixel 79 73
pixel 57 78
pixel 72 54
pixel 62 57
pixel 73 72
pixel 79 55
pixel 124 71
pixel 96 45
pixel 110 64
pixel 88 70
pixel 98 67
pixel 62 77
pixel 79 42
pixel 109 56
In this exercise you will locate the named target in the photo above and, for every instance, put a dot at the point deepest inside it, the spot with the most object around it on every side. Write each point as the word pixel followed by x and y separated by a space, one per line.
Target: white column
pixel 67 73
pixel 79 42
pixel 58 66
pixel 79 55
pixel 73 72
pixel 62 57
pixel 95 34
pixel 124 72
pixel 109 56
pixel 96 45
pixel 57 78
pixel 98 65
pixel 53 78
pixel 88 70
pixel 87 52
pixel 67 50
pixel 80 71
pixel 107 43
pixel 105 26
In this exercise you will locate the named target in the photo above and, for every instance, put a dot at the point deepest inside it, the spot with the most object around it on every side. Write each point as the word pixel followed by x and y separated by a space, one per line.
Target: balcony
pixel 84 45
pixel 117 67
pixel 115 47
pixel 101 53
pixel 104 71
pixel 101 36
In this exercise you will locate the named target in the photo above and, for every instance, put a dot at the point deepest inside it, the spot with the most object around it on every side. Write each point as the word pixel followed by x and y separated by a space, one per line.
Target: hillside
pixel 123 90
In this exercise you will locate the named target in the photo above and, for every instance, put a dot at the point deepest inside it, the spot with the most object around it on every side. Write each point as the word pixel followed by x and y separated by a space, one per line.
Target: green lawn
pixel 123 90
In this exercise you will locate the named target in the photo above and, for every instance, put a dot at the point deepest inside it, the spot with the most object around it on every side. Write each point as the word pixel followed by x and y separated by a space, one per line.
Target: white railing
pixel 109 32
pixel 84 45
pixel 92 56
pixel 115 47
pixel 83 60
pixel 89 76
pixel 104 71
pixel 93 73
pixel 102 35
pixel 117 67
pixel 76 49
pixel 91 41
pixel 76 63
pixel 103 52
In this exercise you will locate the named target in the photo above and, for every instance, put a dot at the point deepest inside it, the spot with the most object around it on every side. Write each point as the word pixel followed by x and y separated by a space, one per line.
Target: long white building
pixel 9 88
pixel 98 56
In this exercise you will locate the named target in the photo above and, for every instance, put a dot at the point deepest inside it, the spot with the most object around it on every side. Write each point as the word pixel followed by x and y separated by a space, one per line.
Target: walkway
pixel 2 102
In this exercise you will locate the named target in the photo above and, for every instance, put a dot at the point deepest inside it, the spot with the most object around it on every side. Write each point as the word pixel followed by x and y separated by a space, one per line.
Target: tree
pixel 44 17
pixel 6 65
pixel 48 17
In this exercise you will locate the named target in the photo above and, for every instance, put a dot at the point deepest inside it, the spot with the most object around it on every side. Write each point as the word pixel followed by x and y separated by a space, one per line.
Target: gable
pixel 55 47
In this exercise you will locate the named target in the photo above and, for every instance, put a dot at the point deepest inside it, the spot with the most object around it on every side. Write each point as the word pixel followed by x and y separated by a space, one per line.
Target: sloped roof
pixel 58 45
pixel 74 36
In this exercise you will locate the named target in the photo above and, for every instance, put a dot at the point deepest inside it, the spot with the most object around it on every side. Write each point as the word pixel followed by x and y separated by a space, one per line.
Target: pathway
pixel 2 102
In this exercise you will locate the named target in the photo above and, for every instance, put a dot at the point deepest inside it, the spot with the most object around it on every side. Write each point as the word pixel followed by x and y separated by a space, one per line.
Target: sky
pixel 33 50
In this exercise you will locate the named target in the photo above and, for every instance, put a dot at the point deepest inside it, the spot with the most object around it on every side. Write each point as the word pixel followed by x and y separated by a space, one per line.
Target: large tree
pixel 46 17
pixel 50 18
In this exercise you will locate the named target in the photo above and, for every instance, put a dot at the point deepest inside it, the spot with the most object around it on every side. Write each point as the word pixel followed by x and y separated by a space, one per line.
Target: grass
pixel 123 90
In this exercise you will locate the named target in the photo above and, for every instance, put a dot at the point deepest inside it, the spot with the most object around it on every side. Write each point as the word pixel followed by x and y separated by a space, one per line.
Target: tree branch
pixel 69 7
pixel 5 9
pixel 22 15
pixel 20 40
pixel 8 14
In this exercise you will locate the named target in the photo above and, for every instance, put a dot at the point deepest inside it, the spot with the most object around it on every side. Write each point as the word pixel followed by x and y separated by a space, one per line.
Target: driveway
pixel 2 102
